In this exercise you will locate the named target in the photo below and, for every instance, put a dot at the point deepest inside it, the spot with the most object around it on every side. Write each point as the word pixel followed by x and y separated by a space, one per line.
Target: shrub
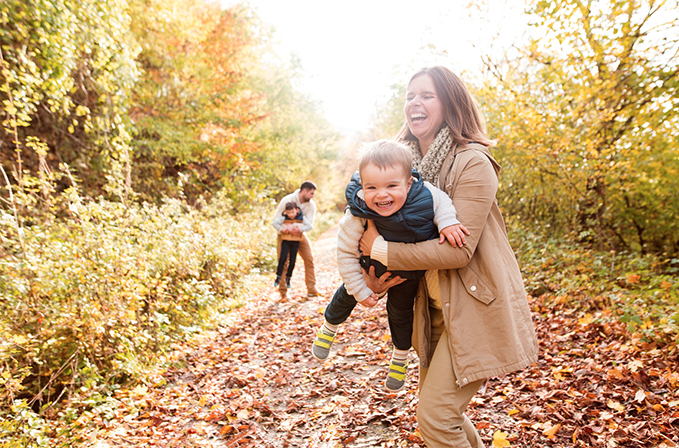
pixel 93 300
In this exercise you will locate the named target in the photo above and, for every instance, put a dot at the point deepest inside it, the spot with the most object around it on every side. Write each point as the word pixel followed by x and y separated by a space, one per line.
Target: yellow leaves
pixel 673 378
pixel 513 412
pixel 658 407
pixel 550 432
pixel 81 110
pixel 586 320
pixel 140 391
pixel 558 371
pixel 635 365
pixel 19 339
pixel 615 405
pixel 354 350
pixel 500 439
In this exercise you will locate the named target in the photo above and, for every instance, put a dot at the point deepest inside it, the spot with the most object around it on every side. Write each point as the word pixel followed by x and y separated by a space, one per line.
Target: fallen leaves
pixel 551 431
pixel 500 439
pixel 253 383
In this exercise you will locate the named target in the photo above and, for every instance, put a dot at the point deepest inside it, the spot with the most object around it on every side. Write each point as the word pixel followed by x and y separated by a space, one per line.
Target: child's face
pixel 385 189
pixel 291 213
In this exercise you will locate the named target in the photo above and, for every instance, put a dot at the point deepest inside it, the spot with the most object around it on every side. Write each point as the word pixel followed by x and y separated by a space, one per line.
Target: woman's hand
pixel 381 284
pixel 365 244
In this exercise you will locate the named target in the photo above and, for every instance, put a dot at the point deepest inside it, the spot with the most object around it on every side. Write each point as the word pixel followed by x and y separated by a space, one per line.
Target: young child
pixel 404 209
pixel 291 224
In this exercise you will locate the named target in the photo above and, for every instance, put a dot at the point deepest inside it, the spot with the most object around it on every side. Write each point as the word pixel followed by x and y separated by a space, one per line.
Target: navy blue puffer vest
pixel 414 222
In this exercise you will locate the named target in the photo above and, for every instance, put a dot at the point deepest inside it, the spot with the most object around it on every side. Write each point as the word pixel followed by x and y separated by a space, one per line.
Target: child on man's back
pixel 289 224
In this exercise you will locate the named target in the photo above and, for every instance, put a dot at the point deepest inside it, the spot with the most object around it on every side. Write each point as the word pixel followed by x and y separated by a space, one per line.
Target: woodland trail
pixel 253 383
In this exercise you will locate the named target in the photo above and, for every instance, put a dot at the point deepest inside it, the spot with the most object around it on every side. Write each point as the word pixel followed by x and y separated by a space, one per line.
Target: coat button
pixel 473 288
pixel 447 305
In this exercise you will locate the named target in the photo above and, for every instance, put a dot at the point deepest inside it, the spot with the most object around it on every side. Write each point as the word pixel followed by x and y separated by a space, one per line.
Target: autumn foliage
pixel 137 173
pixel 143 145
pixel 585 114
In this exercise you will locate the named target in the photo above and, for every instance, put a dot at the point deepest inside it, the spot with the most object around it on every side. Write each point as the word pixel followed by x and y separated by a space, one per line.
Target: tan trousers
pixel 440 411
pixel 307 255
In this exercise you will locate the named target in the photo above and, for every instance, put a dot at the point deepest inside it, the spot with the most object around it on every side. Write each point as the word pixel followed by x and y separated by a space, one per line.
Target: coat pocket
pixel 475 286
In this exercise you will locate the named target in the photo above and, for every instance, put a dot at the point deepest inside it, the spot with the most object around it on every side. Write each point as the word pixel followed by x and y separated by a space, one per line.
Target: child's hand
pixel 455 234
pixel 371 300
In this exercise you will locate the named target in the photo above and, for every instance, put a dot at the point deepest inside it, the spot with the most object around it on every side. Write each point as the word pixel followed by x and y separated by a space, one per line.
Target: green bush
pixel 93 300
pixel 640 290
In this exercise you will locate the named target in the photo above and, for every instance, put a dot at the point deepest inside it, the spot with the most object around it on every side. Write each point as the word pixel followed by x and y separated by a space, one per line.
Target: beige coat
pixel 482 294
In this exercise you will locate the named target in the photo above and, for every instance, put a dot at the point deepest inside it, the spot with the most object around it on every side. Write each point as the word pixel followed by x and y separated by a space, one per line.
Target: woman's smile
pixel 424 110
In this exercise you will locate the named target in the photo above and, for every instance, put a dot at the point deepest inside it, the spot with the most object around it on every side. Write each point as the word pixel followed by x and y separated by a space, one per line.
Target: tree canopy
pixel 152 98
pixel 587 123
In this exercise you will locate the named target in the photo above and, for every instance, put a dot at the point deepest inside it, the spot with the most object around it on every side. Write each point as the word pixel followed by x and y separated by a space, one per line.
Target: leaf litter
pixel 253 383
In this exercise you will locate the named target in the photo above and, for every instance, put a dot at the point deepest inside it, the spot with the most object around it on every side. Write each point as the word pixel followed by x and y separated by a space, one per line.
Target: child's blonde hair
pixel 385 154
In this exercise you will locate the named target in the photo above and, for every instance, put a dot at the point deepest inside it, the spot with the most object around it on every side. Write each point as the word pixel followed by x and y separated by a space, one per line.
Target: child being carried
pixel 404 209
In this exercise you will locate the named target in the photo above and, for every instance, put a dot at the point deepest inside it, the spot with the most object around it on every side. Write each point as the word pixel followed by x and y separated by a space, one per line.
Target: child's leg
pixel 337 311
pixel 285 250
pixel 340 307
pixel 294 247
pixel 400 301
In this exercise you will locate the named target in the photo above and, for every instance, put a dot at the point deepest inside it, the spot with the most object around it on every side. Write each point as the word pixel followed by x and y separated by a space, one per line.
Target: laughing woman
pixel 472 319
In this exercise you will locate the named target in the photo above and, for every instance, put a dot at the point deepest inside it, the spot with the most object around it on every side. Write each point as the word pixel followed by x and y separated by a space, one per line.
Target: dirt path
pixel 253 383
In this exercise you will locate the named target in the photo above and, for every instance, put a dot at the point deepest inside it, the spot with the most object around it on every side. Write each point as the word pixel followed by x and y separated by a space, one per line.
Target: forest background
pixel 145 143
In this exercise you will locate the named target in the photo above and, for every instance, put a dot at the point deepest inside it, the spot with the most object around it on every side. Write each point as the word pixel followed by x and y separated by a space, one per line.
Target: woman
pixel 472 319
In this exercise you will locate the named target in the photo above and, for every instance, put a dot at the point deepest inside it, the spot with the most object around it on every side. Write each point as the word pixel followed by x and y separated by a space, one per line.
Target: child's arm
pixel 348 255
pixel 445 217
pixel 278 223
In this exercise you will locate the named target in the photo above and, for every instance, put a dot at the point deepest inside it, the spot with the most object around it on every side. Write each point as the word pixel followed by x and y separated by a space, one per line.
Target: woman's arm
pixel 475 190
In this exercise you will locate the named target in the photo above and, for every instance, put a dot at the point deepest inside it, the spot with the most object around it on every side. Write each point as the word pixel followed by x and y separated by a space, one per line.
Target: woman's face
pixel 424 110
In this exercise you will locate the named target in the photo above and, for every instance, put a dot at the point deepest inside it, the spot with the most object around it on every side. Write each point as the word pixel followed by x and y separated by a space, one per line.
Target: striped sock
pixel 329 328
pixel 400 355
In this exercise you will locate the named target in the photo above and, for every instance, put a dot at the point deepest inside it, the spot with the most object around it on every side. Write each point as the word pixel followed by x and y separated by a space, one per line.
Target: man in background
pixel 303 197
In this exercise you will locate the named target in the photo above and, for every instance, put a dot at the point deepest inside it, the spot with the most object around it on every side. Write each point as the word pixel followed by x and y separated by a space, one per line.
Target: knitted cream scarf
pixel 429 166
